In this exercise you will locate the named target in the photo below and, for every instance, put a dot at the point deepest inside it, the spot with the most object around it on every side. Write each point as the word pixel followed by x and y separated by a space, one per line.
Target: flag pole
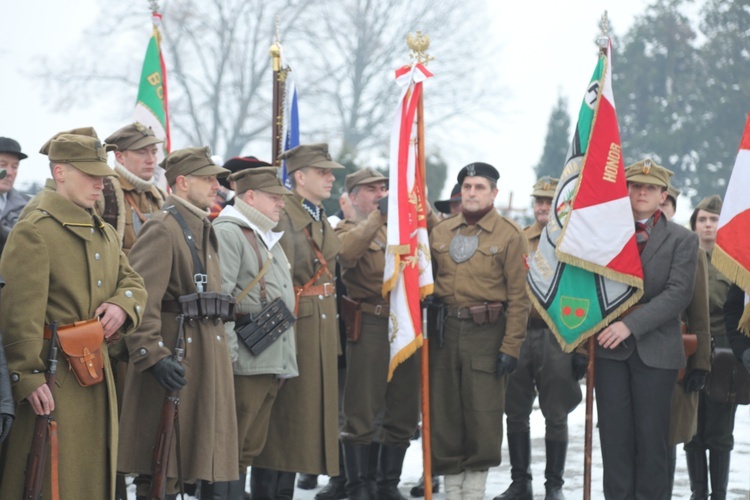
pixel 419 44
pixel 591 343
pixel 277 116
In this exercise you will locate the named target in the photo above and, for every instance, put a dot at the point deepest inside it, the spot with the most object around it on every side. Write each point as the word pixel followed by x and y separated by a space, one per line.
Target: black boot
pixel 263 483
pixel 372 469
pixel 519 449
pixel 418 490
pixel 553 473
pixel 236 490
pixel 698 472
pixel 356 461
pixel 307 481
pixel 336 487
pixel 672 464
pixel 719 466
pixel 390 462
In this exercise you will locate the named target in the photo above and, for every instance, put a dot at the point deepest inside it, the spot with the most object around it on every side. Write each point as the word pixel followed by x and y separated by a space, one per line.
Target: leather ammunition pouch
pixel 258 331
pixel 207 305
pixel 81 345
pixel 481 314
pixel 352 316
pixel 690 344
pixel 729 381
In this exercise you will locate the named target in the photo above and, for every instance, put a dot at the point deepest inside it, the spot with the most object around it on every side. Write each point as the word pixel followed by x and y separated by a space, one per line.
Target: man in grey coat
pixel 11 201
pixel 255 270
pixel 638 356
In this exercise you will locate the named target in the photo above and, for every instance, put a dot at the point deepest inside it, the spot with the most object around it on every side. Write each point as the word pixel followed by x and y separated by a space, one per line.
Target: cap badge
pixel 646 167
pixel 471 171
pixel 139 127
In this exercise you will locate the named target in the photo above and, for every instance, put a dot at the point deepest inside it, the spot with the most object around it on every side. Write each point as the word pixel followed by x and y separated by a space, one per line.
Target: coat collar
pixel 486 223
pixel 299 216
pixel 79 221
pixel 229 212
pixel 658 235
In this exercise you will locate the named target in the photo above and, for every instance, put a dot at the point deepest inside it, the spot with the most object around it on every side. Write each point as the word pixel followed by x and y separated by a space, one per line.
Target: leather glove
pixel 695 380
pixel 506 364
pixel 169 373
pixel 746 359
pixel 6 421
pixel 579 363
pixel 383 205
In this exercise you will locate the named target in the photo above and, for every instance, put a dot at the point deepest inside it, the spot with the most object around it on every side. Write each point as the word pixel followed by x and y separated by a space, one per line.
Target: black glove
pixel 383 205
pixel 746 359
pixel 169 373
pixel 695 380
pixel 579 364
pixel 6 421
pixel 506 364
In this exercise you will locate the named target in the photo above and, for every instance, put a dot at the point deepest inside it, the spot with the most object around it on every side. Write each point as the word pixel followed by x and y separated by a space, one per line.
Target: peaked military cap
pixel 444 206
pixel 132 137
pixel 478 169
pixel 673 192
pixel 545 187
pixel 191 161
pixel 240 163
pixel 308 155
pixel 87 131
pixel 259 179
pixel 363 176
pixel 710 204
pixel 11 146
pixel 87 154
pixel 648 172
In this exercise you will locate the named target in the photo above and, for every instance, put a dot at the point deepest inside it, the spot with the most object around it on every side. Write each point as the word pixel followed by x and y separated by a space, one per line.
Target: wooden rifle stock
pixel 165 430
pixel 44 428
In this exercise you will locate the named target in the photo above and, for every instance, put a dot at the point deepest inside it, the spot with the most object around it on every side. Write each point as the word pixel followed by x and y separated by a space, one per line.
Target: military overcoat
pixel 60 263
pixel 207 417
pixel 303 434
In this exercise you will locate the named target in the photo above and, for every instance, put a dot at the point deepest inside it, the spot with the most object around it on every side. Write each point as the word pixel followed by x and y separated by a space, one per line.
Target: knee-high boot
pixel 519 449
pixel 553 473
pixel 698 472
pixel 356 460
pixel 719 467
pixel 390 462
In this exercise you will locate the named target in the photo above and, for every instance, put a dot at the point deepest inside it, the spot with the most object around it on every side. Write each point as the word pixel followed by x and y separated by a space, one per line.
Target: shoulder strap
pixel 250 235
pixel 134 206
pixel 197 264
pixel 109 214
pixel 321 259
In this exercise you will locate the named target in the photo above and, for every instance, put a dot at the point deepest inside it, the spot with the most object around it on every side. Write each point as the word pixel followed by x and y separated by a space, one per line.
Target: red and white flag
pixel 731 256
pixel 599 234
pixel 408 268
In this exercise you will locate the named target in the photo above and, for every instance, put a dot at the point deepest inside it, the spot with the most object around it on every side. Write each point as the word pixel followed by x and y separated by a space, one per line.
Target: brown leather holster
pixel 352 316
pixel 81 344
pixel 690 344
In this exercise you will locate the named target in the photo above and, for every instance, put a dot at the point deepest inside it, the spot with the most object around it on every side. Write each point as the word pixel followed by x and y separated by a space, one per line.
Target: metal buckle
pixel 463 313
pixel 328 289
pixel 378 309
pixel 200 280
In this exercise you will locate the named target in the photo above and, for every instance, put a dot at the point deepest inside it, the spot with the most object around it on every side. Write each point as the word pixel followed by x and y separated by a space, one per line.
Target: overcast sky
pixel 546 51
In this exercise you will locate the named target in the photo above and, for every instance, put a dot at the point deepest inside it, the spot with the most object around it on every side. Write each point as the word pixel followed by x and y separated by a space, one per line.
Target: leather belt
pixel 375 309
pixel 170 306
pixel 325 290
pixel 458 312
pixel 536 324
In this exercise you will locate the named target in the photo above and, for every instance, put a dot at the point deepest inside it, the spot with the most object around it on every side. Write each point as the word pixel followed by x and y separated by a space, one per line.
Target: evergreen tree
pixel 557 142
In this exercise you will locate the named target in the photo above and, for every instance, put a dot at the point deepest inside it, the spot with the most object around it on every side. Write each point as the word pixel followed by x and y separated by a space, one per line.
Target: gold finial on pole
pixel 419 43
pixel 275 49
pixel 604 27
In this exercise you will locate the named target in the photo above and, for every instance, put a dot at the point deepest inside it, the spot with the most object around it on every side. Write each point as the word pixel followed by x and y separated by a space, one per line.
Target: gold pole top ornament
pixel 419 43
pixel 275 49
pixel 604 37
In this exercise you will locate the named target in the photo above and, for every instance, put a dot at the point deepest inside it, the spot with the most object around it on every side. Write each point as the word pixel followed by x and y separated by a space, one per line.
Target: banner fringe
pixel 404 353
pixel 608 273
pixel 729 267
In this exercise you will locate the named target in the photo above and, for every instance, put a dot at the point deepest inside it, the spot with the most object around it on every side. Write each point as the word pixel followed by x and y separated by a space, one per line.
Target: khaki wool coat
pixel 61 263
pixel 207 417
pixel 683 422
pixel 303 434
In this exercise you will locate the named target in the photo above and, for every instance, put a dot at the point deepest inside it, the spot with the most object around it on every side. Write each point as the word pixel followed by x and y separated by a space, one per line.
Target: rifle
pixel 45 433
pixel 166 428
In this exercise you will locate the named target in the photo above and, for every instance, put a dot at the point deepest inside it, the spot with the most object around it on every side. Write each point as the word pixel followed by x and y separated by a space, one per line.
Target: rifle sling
pixel 250 235
pixel 197 264
pixel 54 480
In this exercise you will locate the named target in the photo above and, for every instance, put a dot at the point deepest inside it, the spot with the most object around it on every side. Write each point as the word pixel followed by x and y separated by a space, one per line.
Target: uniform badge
pixel 493 249
pixel 463 247
pixel 646 167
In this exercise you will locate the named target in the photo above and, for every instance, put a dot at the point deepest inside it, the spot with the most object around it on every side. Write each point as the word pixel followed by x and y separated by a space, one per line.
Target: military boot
pixel 418 490
pixel 519 449
pixel 307 481
pixel 553 473
pixel 698 472
pixel 356 461
pixel 263 483
pixel 336 487
pixel 719 466
pixel 372 469
pixel 390 462
pixel 285 485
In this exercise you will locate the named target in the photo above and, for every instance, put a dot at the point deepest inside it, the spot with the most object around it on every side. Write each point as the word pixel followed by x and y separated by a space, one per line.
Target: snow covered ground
pixel 499 477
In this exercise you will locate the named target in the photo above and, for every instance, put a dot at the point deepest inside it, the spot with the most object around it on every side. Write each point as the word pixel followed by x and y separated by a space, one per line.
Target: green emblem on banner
pixel 573 312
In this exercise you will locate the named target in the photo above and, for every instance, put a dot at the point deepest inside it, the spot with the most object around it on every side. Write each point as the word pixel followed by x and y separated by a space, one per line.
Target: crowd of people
pixel 260 318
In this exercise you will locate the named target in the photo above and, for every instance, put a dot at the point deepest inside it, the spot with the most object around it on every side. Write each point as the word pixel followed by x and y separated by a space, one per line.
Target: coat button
pixel 323 316
pixel 137 309
pixel 190 340
pixel 15 377
pixel 99 283
pixel 92 230
pixel 320 297
pixel 97 256
pixel 218 337
pixel 128 293
pixel 161 344
pixel 142 352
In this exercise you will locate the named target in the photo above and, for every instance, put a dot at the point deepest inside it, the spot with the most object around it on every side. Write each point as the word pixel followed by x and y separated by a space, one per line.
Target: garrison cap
pixel 478 169
pixel 240 163
pixel 88 131
pixel 191 161
pixel 710 204
pixel 648 172
pixel 132 137
pixel 545 187
pixel 259 179
pixel 11 146
pixel 83 152
pixel 673 192
pixel 444 206
pixel 308 155
pixel 363 176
